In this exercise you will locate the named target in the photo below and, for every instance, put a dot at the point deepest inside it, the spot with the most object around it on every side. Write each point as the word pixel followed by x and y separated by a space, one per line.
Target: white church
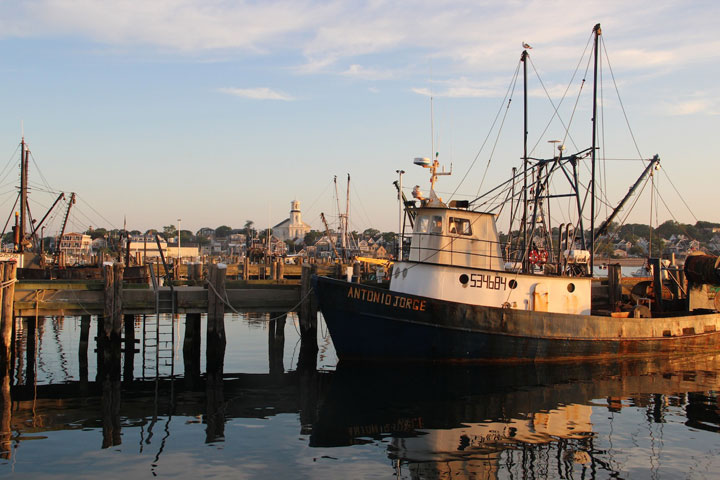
pixel 292 228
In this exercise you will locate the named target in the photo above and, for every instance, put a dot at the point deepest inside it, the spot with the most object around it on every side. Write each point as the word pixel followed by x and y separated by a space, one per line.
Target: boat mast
pixel 525 266
pixel 598 32
pixel 23 194
pixel 346 220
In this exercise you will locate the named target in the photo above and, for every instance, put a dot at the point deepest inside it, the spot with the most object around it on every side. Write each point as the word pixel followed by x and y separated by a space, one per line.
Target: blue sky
pixel 217 112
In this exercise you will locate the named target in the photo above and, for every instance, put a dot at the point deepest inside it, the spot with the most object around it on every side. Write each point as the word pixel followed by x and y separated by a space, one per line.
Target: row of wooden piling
pixel 8 274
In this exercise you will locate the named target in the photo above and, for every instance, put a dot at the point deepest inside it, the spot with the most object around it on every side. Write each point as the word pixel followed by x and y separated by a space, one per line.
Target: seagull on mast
pixel 526 45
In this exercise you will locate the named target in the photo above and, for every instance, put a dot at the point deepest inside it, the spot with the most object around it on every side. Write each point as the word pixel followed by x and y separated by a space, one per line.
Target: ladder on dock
pixel 159 333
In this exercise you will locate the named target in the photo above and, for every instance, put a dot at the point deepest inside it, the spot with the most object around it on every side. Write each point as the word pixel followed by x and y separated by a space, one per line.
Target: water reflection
pixel 648 418
pixel 526 420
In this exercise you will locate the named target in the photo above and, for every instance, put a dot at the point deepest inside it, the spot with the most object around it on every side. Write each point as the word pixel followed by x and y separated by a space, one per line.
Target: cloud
pixel 463 36
pixel 699 103
pixel 358 71
pixel 463 87
pixel 260 93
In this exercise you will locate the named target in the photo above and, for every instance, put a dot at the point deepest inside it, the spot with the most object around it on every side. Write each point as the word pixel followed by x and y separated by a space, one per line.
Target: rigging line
pixel 629 210
pixel 10 216
pixel 329 183
pixel 37 167
pixel 34 187
pixel 617 90
pixel 680 225
pixel 506 182
pixel 5 174
pixel 98 213
pixel 492 199
pixel 492 153
pixel 567 89
pixel 577 102
pixel 504 202
pixel 76 211
pixel 556 109
pixel 362 206
pixel 9 164
pixel 678 194
pixel 604 186
pixel 511 88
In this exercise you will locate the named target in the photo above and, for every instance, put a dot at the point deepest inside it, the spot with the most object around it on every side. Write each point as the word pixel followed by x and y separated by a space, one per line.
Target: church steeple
pixel 295 215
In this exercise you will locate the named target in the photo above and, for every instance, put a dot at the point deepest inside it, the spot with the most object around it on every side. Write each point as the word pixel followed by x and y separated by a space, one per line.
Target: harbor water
pixel 264 411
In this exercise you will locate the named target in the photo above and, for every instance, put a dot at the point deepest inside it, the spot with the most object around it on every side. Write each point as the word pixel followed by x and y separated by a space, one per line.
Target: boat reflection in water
pixel 652 418
pixel 556 420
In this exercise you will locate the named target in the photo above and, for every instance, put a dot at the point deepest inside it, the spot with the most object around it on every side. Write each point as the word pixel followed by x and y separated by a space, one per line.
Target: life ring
pixel 543 257
pixel 534 256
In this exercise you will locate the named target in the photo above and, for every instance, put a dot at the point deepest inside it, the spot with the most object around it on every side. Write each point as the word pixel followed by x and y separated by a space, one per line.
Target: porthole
pixel 512 284
pixel 404 272
pixel 464 279
pixel 571 287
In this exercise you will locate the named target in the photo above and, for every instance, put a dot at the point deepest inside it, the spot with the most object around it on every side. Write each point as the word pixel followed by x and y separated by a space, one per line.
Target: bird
pixel 526 45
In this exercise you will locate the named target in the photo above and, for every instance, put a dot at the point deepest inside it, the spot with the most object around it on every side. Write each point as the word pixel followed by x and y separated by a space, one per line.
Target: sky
pixel 217 112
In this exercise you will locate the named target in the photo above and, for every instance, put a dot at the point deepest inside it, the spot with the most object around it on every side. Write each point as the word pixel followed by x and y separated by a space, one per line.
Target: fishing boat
pixel 462 294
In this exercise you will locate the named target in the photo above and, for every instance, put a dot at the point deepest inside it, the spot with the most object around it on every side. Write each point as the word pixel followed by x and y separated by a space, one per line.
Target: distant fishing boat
pixel 463 295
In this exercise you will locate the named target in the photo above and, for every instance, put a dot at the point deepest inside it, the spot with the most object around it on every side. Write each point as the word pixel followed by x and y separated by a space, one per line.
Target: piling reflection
pixel 520 421
pixel 5 410
pixel 191 350
pixel 215 412
pixel 472 422
pixel 110 346
pixel 276 343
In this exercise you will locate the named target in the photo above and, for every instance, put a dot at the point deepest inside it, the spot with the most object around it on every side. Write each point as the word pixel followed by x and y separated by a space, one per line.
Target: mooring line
pixel 226 301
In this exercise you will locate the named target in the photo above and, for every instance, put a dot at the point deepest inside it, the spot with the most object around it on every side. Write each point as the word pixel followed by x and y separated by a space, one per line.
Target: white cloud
pixel 358 71
pixel 260 93
pixel 702 103
pixel 464 36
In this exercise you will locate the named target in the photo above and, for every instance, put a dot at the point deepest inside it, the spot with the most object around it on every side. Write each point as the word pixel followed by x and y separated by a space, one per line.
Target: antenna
pixel 432 116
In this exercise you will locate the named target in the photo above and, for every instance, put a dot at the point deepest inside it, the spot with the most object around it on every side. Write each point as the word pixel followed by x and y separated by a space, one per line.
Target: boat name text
pixel 386 299
pixel 478 280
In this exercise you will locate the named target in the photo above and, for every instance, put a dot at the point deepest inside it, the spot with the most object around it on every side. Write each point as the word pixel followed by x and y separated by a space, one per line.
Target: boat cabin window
pixel 459 226
pixel 422 225
pixel 436 224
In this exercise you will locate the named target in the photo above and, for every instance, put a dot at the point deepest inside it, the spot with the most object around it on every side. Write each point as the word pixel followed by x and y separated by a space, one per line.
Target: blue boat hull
pixel 373 323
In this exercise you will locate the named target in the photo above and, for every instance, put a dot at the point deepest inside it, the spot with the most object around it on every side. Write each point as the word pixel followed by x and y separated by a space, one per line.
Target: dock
pixel 261 289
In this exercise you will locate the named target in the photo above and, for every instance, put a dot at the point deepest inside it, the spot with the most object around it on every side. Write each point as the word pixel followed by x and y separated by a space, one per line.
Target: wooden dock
pixel 88 297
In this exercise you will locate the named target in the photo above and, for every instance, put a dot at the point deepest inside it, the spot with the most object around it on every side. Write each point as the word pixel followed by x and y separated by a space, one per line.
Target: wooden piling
pixel 112 280
pixel 216 297
pixel 308 308
pixel 5 326
pixel 8 270
pixel 614 285
pixel 657 283
pixel 281 269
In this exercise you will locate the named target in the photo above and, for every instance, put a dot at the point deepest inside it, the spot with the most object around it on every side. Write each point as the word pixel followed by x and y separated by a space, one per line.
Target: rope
pixel 226 301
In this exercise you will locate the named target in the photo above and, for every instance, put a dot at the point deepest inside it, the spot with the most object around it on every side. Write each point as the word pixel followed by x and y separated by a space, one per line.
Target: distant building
pixel 75 243
pixel 292 228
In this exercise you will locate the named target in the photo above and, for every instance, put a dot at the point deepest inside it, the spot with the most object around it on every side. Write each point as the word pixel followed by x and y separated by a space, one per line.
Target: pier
pixel 281 288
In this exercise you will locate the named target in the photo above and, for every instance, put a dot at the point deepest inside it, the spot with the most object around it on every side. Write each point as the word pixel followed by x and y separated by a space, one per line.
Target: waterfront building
pixel 292 228
pixel 75 243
